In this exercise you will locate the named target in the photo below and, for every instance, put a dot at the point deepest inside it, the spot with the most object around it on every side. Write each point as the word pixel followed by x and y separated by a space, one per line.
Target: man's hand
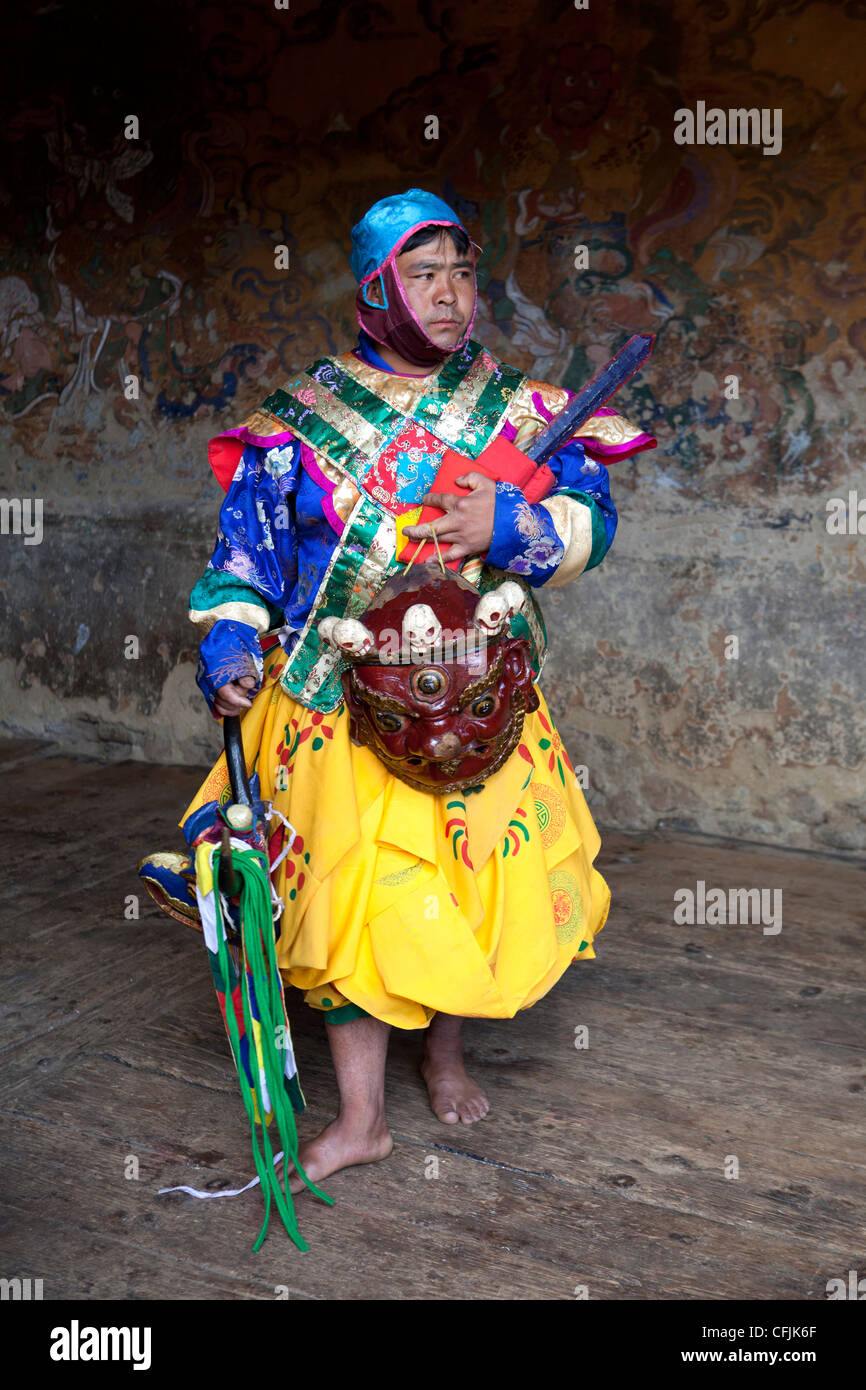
pixel 468 521
pixel 232 698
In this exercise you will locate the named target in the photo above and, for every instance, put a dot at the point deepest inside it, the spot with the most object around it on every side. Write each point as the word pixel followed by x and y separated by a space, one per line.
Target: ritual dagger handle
pixel 240 820
pixel 591 397
pixel 235 761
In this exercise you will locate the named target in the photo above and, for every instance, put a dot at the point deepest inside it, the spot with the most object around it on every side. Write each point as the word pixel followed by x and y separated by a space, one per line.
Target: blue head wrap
pixel 376 243
pixel 392 220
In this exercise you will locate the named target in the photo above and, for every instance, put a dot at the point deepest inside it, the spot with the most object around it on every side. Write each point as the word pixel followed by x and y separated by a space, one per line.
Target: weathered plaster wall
pixel 261 127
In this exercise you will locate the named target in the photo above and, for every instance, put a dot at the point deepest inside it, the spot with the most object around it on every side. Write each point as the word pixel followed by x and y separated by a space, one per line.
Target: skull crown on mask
pixel 435 685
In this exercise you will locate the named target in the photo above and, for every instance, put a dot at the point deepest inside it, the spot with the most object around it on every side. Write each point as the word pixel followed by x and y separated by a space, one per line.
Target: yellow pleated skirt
pixel 407 904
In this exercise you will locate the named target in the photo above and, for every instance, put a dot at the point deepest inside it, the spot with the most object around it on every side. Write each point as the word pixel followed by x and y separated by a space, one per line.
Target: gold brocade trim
pixel 458 403
pixel 403 393
pixel 184 912
pixel 523 414
pixel 366 582
pixel 344 496
pixel 250 613
pixel 457 410
pixel 167 859
pixel 331 471
pixel 400 392
pixel 374 568
pixel 572 522
pixel 262 422
pixel 361 433
pixel 607 429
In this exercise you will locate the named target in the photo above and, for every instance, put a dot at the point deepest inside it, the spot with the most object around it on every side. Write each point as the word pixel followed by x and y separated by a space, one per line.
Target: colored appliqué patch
pixel 317 729
pixel 567 904
pixel 408 463
pixel 550 812
pixel 456 829
pixel 296 864
pixel 516 828
pixel 553 746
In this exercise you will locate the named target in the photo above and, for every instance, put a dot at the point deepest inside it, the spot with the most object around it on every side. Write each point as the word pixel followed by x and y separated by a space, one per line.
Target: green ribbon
pixel 258 960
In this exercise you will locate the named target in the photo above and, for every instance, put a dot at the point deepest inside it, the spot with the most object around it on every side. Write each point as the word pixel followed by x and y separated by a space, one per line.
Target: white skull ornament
pixel 494 609
pixel 421 628
pixel 326 630
pixel 351 637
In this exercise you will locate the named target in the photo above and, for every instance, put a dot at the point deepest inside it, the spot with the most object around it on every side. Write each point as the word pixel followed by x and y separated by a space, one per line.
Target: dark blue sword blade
pixel 616 373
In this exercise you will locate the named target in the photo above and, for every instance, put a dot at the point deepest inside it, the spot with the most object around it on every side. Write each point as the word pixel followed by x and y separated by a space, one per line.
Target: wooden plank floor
pixel 601 1168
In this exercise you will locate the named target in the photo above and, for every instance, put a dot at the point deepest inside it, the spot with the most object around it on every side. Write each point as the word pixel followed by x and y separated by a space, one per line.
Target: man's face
pixel 440 286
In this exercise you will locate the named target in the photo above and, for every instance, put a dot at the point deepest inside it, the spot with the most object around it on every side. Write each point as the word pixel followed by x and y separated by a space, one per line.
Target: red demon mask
pixel 435 685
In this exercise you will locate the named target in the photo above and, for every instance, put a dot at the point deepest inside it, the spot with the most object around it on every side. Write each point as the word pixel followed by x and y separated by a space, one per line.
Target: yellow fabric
pixel 406 903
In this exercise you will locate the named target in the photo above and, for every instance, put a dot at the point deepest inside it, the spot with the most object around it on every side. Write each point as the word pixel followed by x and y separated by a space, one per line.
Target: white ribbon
pixel 236 1192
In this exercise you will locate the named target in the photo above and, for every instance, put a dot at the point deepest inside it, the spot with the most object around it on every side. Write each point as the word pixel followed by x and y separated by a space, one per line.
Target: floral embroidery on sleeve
pixel 524 536
pixel 525 540
pixel 229 651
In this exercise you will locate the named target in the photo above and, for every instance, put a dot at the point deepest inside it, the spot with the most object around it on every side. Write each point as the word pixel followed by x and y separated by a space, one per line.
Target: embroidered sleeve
pixel 254 564
pixel 525 539
pixel 568 532
pixel 229 651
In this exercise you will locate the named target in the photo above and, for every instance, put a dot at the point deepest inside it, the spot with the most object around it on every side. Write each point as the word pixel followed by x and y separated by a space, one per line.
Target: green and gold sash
pixel 329 408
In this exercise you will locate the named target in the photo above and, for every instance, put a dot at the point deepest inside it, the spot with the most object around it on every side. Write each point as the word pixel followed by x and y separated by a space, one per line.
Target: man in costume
pixel 403 906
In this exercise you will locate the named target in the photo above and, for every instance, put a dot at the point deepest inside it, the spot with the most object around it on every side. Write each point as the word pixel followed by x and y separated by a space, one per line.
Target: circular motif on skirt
pixel 567 904
pixel 550 811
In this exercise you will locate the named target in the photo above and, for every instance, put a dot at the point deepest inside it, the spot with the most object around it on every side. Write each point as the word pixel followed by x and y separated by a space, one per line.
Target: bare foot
pixel 454 1096
pixel 342 1144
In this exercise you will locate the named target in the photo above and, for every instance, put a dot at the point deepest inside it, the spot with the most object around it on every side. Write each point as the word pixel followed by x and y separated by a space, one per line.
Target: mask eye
pixel 428 683
pixel 484 705
pixel 390 723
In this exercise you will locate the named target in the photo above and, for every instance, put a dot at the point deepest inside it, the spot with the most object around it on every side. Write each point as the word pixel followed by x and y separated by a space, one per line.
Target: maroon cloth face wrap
pixel 398 327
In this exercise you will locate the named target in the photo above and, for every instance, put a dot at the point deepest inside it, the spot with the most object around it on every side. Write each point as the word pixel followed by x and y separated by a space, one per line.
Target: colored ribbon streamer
pixel 257 991
pixel 260 969
pixel 204 1196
